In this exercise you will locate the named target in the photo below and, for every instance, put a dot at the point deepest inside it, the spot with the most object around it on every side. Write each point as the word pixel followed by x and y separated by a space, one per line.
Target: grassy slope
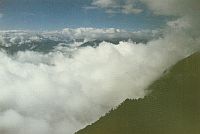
pixel 173 106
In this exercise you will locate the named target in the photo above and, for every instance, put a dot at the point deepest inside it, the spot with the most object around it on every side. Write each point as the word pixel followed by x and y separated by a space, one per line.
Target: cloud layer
pixel 57 93
pixel 118 6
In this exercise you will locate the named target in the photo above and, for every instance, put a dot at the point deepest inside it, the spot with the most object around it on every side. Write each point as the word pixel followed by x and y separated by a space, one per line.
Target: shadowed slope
pixel 172 106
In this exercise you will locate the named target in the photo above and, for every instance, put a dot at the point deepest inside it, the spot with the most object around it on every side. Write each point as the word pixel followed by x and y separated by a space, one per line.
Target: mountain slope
pixel 172 106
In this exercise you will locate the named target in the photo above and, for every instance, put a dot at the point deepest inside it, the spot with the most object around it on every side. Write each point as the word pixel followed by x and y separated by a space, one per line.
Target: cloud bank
pixel 55 93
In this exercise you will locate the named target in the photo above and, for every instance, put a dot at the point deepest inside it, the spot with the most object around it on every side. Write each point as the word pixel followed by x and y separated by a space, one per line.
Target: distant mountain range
pixel 172 106
pixel 14 41
pixel 47 45
pixel 115 41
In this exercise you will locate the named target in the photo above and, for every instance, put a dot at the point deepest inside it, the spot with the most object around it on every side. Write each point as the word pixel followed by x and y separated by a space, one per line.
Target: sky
pixel 59 14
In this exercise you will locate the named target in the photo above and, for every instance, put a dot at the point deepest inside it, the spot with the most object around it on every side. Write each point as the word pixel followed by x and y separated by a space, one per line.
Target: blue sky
pixel 59 14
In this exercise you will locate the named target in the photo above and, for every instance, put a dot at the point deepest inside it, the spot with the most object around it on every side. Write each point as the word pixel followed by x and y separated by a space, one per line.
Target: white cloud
pixel 98 33
pixel 105 3
pixel 117 6
pixel 127 9
pixel 187 12
pixel 159 7
pixel 57 94
pixel 173 7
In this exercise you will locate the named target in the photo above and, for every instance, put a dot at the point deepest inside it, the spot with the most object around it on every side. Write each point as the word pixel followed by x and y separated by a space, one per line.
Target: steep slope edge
pixel 172 106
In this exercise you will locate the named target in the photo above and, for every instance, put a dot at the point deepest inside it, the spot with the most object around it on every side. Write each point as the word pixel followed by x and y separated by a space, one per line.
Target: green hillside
pixel 172 106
